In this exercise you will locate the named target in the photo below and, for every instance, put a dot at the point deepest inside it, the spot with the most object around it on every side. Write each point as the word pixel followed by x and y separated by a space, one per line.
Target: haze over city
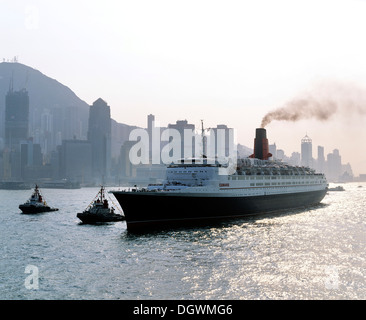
pixel 229 62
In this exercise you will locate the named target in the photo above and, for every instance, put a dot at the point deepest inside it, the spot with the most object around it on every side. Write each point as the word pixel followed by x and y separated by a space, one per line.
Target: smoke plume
pixel 323 102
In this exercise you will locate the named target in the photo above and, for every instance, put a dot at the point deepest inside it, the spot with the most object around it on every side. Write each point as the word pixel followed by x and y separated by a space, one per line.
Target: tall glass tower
pixel 306 152
pixel 16 118
pixel 99 135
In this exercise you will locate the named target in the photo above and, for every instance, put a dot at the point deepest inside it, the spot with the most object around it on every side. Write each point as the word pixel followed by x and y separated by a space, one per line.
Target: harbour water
pixel 313 253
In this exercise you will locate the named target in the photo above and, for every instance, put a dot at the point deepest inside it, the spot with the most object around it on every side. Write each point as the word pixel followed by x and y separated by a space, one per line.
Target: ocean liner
pixel 197 192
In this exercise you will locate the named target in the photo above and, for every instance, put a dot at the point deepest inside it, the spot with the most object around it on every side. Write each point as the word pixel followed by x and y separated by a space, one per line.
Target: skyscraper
pixel 334 164
pixel 16 130
pixel 224 147
pixel 75 160
pixel 16 118
pixel 150 128
pixel 321 159
pixel 99 135
pixel 187 148
pixel 273 150
pixel 306 152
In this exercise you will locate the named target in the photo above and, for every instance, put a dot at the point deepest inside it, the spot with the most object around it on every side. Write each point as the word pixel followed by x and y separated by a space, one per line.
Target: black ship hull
pixel 30 209
pixel 149 210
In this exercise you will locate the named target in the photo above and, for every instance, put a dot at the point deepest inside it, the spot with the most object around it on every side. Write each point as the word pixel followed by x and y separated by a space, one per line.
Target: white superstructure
pixel 252 177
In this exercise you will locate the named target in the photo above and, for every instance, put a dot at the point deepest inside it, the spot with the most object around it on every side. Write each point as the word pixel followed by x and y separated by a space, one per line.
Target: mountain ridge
pixel 23 76
pixel 50 98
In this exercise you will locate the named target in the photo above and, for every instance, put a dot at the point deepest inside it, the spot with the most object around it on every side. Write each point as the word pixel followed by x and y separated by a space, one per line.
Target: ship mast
pixel 203 140
pixel 101 193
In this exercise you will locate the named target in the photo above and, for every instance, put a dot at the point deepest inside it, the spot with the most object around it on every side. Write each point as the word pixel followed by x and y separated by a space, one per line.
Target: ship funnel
pixel 261 148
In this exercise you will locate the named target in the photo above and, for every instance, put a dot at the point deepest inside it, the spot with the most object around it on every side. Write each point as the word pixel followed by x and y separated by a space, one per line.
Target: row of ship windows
pixel 189 172
pixel 283 183
pixel 267 178
pixel 251 177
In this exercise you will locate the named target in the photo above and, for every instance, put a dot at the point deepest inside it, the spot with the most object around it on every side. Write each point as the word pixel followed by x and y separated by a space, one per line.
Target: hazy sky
pixel 227 62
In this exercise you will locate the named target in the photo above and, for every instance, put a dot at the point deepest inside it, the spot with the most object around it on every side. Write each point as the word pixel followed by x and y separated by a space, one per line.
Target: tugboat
pixel 36 203
pixel 338 188
pixel 99 211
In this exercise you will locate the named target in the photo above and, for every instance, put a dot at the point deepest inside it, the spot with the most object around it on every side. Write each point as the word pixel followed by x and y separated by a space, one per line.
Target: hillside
pixel 56 112
pixel 44 91
pixel 49 99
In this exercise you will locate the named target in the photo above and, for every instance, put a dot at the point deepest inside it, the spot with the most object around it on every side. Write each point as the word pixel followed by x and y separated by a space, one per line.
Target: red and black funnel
pixel 261 148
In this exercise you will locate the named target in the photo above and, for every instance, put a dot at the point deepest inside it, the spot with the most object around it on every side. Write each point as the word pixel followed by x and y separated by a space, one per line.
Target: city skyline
pixel 87 160
pixel 48 116
pixel 329 163
pixel 231 63
pixel 99 138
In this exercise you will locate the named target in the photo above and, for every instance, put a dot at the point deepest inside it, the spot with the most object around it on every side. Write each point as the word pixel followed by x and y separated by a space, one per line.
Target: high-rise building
pixel 280 154
pixel 16 130
pixel 334 165
pixel 321 160
pixel 75 160
pixel 99 136
pixel 126 168
pixel 16 118
pixel 31 161
pixel 185 129
pixel 224 141
pixel 306 152
pixel 150 128
pixel 273 150
pixel 295 159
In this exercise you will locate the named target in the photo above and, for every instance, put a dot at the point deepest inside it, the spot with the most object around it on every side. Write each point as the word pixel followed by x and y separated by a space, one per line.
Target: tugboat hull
pixel 34 209
pixel 92 218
